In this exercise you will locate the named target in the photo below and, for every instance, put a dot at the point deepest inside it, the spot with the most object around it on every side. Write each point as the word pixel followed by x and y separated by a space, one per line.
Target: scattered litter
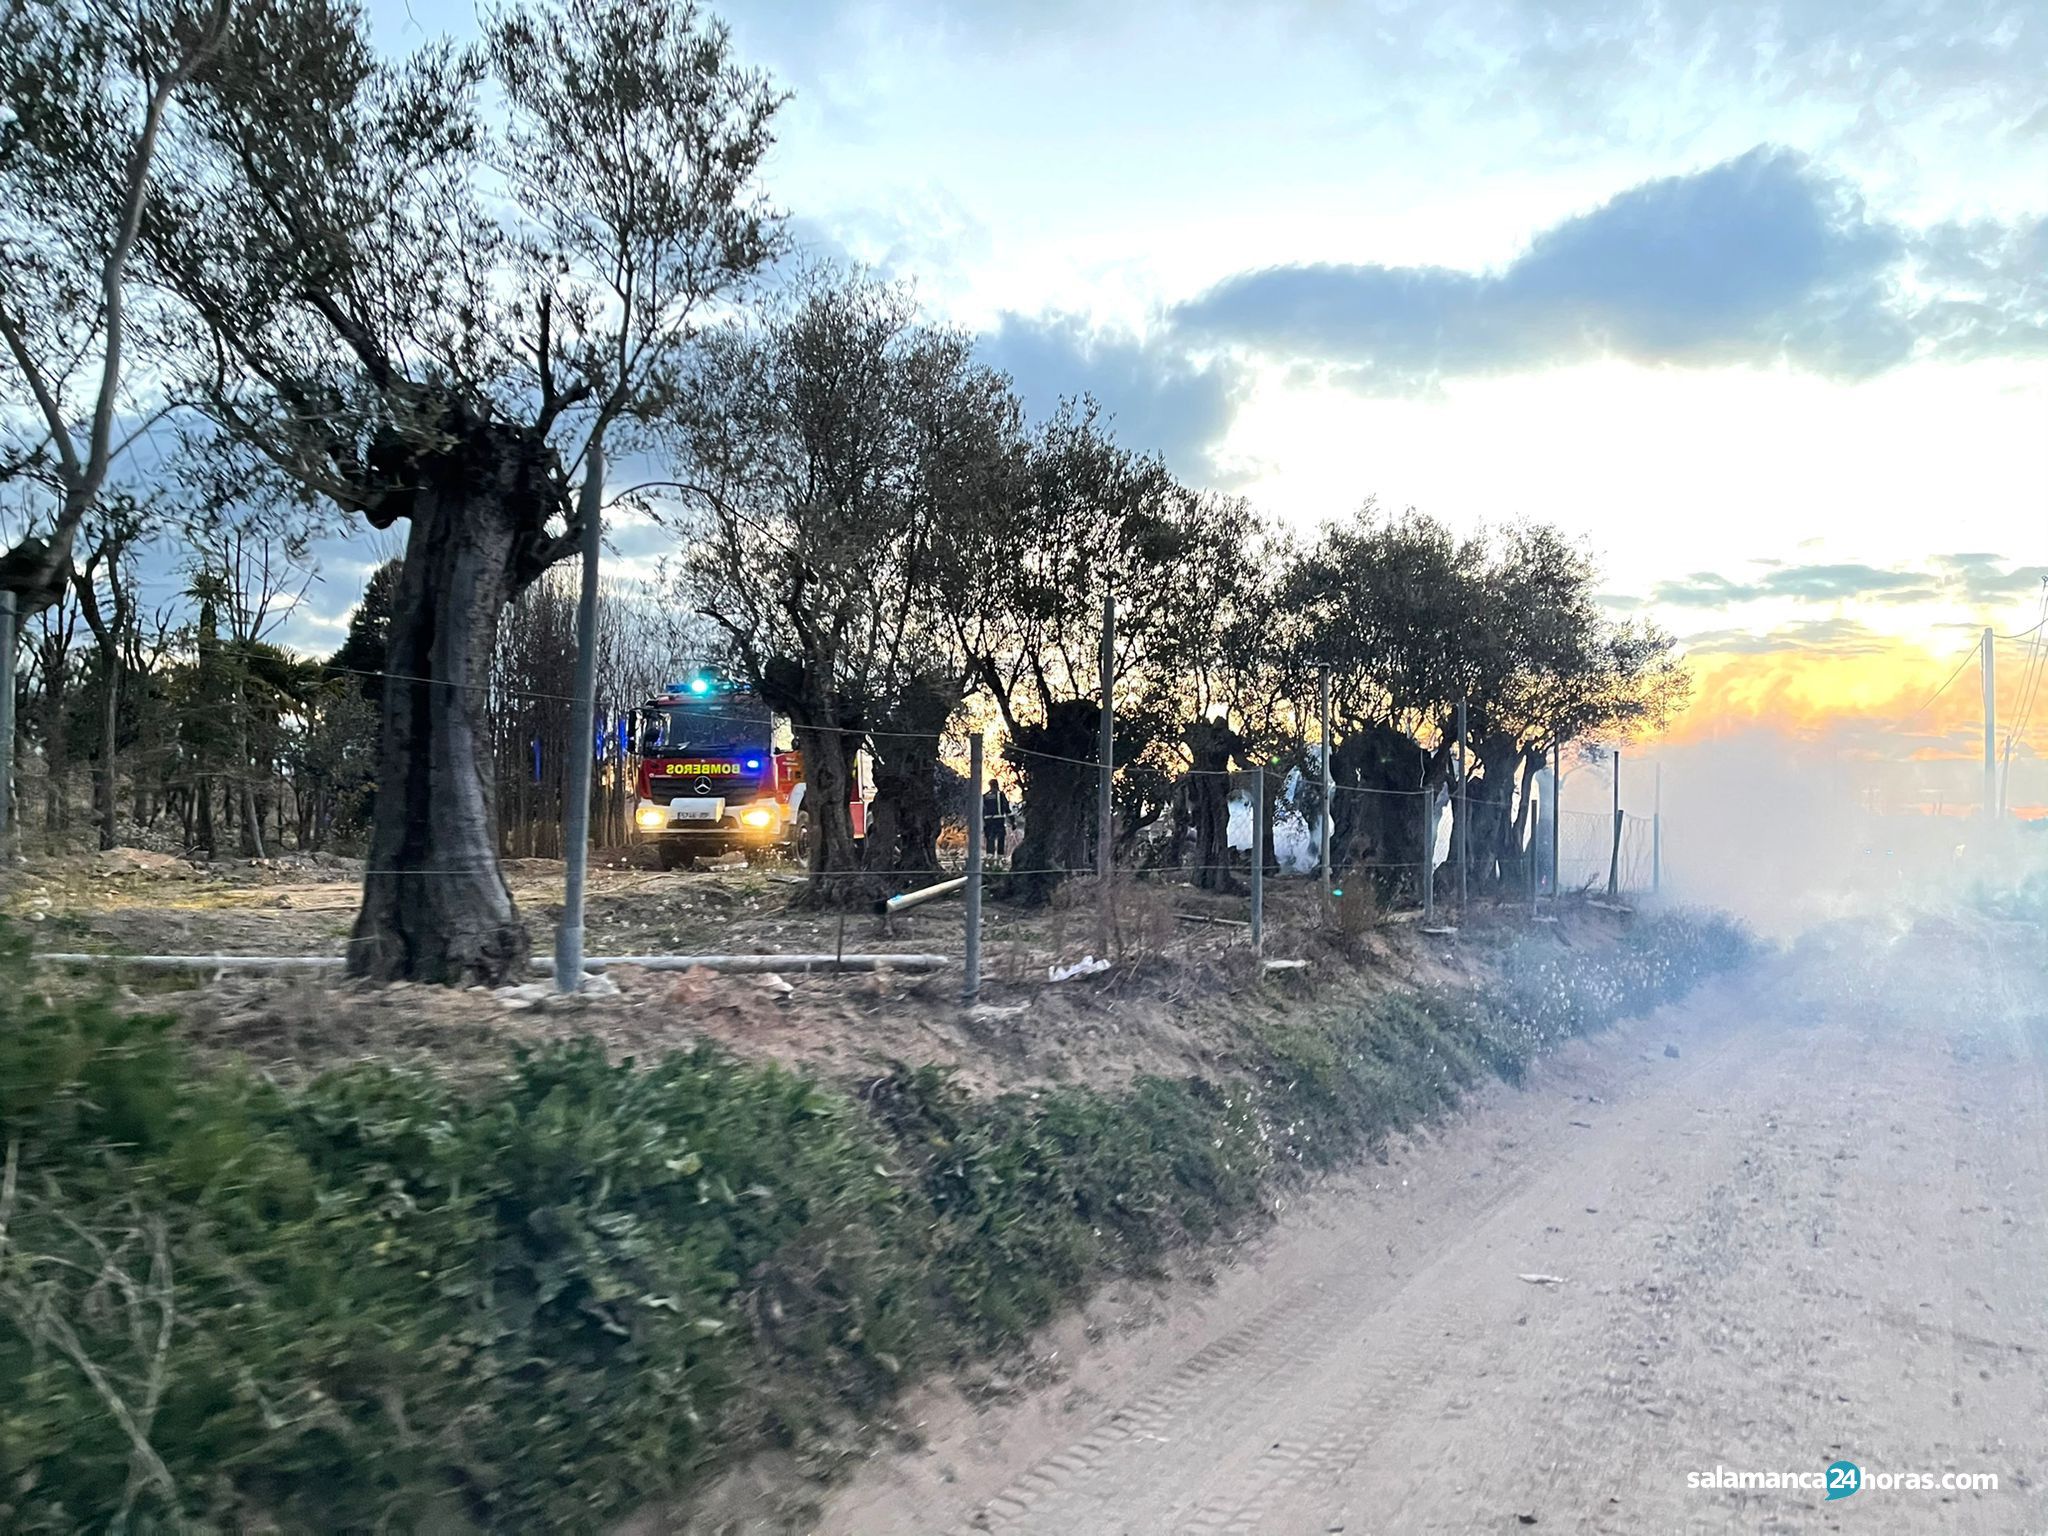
pixel 992 1011
pixel 772 984
pixel 1584 1125
pixel 1087 965
pixel 1542 1279
pixel 1286 965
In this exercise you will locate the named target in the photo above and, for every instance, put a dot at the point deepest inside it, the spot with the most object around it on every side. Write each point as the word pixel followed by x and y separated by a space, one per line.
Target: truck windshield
pixel 707 725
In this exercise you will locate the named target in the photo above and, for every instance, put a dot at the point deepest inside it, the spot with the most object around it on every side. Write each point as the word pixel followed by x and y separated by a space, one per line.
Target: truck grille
pixel 664 787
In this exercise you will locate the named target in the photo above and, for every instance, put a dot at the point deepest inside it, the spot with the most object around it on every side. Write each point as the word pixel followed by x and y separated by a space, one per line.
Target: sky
pixel 1753 297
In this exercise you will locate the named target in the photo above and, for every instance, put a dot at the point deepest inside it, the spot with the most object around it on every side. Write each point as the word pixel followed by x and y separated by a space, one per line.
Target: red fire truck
pixel 714 772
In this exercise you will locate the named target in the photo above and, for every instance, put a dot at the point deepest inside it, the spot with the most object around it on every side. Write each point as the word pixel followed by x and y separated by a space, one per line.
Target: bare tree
pixel 92 89
pixel 105 585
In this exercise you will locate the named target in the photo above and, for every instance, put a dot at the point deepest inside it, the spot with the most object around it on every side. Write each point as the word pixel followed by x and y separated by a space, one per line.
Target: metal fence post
pixel 582 734
pixel 1461 828
pixel 1429 821
pixel 1657 837
pixel 1105 807
pixel 6 721
pixel 1329 818
pixel 1529 854
pixel 1614 855
pixel 970 986
pixel 1556 823
pixel 1258 864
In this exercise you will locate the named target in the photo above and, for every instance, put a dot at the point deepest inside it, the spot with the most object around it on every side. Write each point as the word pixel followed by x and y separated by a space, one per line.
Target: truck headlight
pixel 757 818
pixel 652 817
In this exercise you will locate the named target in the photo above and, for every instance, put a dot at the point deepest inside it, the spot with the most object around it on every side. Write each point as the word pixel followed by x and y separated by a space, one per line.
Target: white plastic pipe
pixel 737 964
pixel 918 898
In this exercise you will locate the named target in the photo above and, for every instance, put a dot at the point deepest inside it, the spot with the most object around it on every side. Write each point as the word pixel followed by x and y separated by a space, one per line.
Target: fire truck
pixel 716 772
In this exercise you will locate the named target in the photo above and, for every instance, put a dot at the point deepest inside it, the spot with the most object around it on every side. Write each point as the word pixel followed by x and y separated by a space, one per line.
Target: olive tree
pixel 1093 520
pixel 842 461
pixel 421 311
pixel 92 92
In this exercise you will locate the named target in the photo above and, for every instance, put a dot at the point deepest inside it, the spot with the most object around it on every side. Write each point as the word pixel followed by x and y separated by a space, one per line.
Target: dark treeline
pixel 889 547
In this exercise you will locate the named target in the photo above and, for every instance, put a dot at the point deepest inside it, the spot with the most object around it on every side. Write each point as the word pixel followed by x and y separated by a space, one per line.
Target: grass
pixel 386 1300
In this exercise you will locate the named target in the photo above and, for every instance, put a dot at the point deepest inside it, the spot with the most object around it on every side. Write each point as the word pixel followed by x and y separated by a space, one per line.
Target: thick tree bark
pixel 1212 744
pixel 245 792
pixel 1059 799
pixel 56 747
pixel 1495 855
pixel 436 907
pixel 903 827
pixel 828 739
pixel 110 742
pixel 1375 821
pixel 836 876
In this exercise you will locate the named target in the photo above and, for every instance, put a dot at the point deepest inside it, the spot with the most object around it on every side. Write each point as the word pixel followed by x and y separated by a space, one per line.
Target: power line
pixel 1964 662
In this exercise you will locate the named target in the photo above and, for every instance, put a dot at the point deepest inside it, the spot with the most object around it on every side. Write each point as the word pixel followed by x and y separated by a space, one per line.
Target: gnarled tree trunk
pixel 829 777
pixel 1494 853
pixel 1212 744
pixel 1056 762
pixel 903 826
pixel 436 907
pixel 1376 819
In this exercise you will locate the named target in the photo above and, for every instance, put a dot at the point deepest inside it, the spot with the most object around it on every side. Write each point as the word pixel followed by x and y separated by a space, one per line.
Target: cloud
pixel 1703 589
pixel 1763 259
pixel 1160 397
pixel 1987 579
pixel 1974 577
pixel 1840 637
pixel 1841 582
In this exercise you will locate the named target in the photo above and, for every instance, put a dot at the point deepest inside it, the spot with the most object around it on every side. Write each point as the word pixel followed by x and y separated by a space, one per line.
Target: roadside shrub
pixel 382 1300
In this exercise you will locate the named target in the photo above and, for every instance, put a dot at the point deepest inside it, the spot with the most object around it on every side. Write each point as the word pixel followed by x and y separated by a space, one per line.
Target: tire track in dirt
pixel 1822 1233
pixel 1205 1426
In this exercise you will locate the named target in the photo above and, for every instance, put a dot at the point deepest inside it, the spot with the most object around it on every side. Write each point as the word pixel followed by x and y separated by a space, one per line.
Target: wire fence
pixel 1259 859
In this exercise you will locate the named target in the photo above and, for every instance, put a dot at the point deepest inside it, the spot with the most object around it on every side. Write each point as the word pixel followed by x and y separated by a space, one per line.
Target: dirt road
pixel 1817 1232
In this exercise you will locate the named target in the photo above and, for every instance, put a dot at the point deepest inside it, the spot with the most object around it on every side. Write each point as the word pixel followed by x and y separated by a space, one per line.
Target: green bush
pixel 381 1300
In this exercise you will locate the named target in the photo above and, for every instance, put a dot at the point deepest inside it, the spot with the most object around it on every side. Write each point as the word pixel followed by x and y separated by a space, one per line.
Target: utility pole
pixel 970 987
pixel 1461 828
pixel 1614 855
pixel 1329 791
pixel 582 735
pixel 1105 812
pixel 1989 669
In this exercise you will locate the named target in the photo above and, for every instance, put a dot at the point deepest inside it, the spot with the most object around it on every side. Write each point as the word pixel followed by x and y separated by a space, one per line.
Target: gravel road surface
pixel 1798 1219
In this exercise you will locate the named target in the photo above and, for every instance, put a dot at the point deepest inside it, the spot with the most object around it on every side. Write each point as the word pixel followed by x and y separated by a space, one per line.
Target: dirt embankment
pixel 1798 1218
pixel 1181 999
